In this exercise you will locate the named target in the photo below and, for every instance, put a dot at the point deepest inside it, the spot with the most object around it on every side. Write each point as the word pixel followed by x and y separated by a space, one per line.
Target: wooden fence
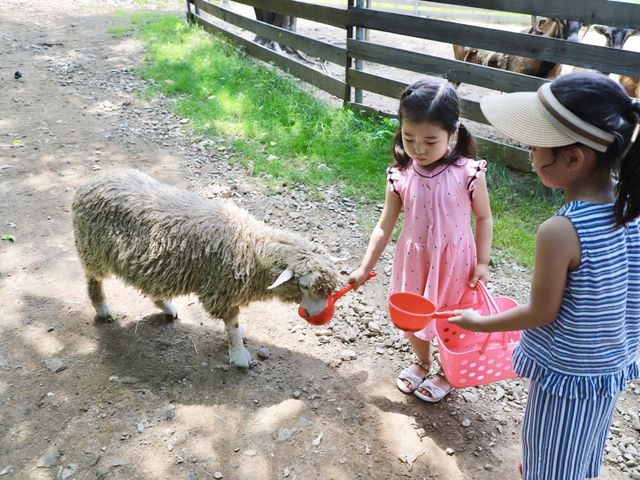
pixel 350 18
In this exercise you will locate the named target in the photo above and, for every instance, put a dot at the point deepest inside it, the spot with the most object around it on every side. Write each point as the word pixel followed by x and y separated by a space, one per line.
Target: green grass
pixel 290 136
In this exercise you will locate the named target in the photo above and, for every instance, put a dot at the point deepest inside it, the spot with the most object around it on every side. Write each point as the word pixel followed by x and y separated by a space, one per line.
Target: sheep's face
pixel 310 282
pixel 315 291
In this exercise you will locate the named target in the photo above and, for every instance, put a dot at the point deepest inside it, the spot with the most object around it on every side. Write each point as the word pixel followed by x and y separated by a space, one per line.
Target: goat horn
pixel 286 274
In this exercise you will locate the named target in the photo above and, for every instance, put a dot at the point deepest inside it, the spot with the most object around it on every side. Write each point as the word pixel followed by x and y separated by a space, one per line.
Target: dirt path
pixel 145 399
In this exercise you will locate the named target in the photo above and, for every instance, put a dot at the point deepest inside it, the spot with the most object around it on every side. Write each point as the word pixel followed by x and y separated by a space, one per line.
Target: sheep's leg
pixel 168 308
pixel 238 355
pixel 96 295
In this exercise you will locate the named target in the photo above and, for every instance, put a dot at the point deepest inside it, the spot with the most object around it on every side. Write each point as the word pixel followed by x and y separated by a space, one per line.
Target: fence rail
pixel 350 17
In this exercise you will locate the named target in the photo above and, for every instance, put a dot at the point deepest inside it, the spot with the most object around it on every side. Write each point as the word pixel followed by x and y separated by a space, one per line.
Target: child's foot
pixel 411 377
pixel 433 389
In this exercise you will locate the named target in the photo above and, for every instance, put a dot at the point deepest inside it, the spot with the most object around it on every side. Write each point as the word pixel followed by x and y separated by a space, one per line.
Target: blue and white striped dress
pixel 580 362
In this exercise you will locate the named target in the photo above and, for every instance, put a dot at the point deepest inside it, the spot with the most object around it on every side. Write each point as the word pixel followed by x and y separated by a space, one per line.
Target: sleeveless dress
pixel 581 361
pixel 435 254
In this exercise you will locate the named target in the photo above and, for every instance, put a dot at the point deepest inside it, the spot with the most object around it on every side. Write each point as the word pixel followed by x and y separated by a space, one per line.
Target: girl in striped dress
pixel 582 323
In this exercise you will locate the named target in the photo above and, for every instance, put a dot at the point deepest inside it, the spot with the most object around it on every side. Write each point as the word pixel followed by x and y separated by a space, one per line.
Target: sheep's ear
pixel 286 274
pixel 339 259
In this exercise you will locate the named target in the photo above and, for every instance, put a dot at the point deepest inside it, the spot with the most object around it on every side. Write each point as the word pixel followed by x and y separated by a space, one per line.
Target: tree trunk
pixel 283 21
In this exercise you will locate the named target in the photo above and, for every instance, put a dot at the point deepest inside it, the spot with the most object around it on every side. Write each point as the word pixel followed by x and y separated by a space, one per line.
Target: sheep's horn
pixel 286 274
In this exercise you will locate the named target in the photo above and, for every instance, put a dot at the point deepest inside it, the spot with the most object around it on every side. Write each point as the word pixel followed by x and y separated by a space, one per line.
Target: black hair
pixel 436 102
pixel 602 102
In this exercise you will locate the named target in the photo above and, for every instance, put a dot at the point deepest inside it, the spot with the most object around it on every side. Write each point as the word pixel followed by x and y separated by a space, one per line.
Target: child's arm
pixel 557 253
pixel 484 230
pixel 379 237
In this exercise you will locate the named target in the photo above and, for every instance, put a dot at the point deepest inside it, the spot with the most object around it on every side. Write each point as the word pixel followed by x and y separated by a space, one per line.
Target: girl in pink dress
pixel 437 187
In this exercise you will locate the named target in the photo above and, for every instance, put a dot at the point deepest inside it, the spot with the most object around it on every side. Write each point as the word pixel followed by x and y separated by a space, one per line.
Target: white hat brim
pixel 521 116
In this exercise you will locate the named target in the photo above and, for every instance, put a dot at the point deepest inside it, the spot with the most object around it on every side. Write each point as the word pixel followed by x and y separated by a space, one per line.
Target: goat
pixel 616 38
pixel 548 27
pixel 169 242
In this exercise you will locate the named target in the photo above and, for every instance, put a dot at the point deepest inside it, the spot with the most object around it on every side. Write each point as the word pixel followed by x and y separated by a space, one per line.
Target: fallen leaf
pixel 10 238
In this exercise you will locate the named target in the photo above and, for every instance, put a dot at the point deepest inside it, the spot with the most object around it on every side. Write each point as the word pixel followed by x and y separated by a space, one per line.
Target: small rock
pixel 56 364
pixel 283 434
pixel 6 470
pixel 129 380
pixel 469 396
pixel 347 355
pixel 635 421
pixel 264 353
pixel 450 451
pixel 218 475
pixel 68 471
pixel 49 458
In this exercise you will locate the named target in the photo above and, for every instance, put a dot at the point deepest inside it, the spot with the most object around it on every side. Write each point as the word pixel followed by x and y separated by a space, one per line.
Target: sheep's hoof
pixel 104 315
pixel 240 358
pixel 169 309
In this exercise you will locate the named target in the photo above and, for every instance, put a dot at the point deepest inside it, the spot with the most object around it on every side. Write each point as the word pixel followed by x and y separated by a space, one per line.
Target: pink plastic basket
pixel 472 358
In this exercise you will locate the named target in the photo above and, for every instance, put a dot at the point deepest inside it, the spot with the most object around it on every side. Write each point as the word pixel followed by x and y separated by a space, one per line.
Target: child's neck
pixel 598 191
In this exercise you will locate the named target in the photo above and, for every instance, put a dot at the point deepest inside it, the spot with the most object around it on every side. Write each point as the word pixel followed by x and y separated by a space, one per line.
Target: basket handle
pixel 485 344
pixel 493 310
pixel 486 296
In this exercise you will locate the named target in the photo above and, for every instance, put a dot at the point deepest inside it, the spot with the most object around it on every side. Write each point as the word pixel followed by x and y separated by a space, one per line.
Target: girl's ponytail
pixel 465 144
pixel 627 206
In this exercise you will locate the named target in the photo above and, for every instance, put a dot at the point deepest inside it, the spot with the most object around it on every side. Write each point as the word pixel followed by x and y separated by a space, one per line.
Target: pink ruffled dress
pixel 435 255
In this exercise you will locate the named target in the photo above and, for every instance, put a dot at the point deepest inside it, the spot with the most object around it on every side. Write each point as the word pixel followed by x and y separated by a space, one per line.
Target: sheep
pixel 542 26
pixel 169 242
pixel 616 38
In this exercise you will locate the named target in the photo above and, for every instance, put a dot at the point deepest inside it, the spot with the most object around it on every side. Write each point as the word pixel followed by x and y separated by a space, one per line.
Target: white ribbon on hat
pixel 570 124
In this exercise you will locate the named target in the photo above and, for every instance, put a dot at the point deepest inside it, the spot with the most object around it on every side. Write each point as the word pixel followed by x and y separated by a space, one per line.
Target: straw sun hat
pixel 538 119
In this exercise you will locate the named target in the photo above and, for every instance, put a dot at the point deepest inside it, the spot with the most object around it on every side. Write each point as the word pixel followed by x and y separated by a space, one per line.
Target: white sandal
pixel 436 393
pixel 410 376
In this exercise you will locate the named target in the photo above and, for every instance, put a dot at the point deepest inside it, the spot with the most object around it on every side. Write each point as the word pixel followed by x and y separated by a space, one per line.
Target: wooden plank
pixel 470 109
pixel 311 46
pixel 508 155
pixel 605 12
pixel 376 84
pixel 310 75
pixel 532 46
pixel 336 17
pixel 453 70
pixel 502 153
pixel 368 110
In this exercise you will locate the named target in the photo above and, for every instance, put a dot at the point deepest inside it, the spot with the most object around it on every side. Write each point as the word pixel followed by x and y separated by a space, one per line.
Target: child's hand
pixel 357 277
pixel 481 273
pixel 468 319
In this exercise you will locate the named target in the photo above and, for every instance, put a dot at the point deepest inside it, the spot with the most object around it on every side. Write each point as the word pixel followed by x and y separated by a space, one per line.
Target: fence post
pixel 189 16
pixel 360 35
pixel 349 34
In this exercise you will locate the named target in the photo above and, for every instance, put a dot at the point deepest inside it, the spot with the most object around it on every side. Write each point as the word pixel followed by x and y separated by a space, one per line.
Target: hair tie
pixel 636 130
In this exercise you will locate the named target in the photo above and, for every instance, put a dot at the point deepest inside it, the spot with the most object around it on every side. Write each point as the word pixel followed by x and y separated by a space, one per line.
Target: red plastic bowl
pixel 326 315
pixel 409 311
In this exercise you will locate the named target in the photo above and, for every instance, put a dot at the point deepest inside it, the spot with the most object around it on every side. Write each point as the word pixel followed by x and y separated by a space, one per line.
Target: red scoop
pixel 326 315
